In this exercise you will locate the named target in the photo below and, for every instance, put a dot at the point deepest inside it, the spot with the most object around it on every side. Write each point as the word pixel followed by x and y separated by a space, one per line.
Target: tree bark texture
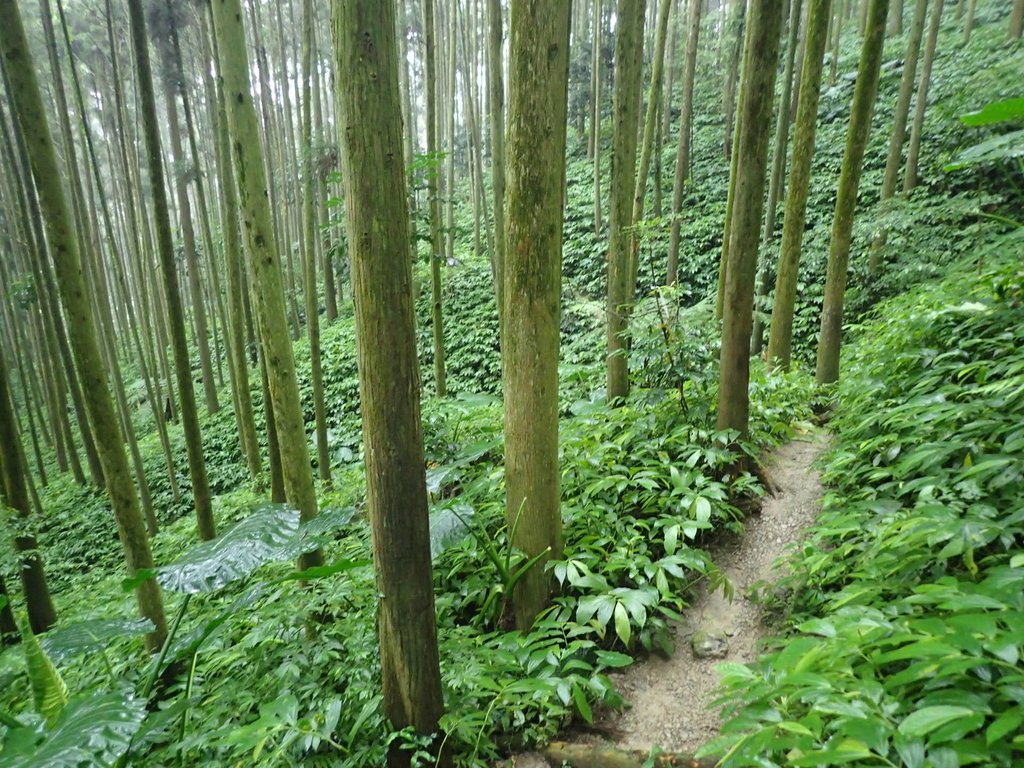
pixel 247 155
pixel 371 136
pixel 538 92
pixel 626 114
pixel 757 88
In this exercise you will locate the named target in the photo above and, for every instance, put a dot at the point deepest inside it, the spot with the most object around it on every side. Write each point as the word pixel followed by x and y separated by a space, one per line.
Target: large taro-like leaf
pixel 996 112
pixel 316 532
pixel 93 730
pixel 64 644
pixel 268 534
pixel 448 527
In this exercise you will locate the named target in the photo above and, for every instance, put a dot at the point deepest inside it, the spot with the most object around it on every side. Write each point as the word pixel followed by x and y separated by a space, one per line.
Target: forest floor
pixel 669 701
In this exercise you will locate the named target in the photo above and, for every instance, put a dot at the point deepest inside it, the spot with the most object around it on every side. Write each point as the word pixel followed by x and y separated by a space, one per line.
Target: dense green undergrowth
pixel 644 488
pixel 907 603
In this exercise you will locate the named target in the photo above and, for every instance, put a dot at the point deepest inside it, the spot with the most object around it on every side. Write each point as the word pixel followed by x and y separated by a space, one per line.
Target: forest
pixel 529 383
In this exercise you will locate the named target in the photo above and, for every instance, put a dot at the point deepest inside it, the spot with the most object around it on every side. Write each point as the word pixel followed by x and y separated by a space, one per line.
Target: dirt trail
pixel 670 700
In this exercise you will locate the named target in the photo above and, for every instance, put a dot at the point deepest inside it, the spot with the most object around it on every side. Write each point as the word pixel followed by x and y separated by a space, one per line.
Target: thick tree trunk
pixel 780 338
pixel 626 113
pixel 757 87
pixel 247 154
pixel 846 197
pixel 539 71
pixel 388 370
pixel 61 236
pixel 682 172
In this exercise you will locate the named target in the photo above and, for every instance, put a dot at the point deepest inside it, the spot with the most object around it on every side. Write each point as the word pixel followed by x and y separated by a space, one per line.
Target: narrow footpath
pixel 670 701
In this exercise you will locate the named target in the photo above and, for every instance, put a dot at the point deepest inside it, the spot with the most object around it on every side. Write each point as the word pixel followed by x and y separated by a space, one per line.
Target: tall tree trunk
pixel 237 288
pixel 496 98
pixel 921 102
pixel 899 125
pixel 436 252
pixel 61 236
pixel 682 171
pixel 735 37
pixel 899 128
pixel 779 154
pixel 757 88
pixel 14 491
pixel 647 147
pixel 538 73
pixel 309 217
pixel 188 239
pixel 388 370
pixel 628 80
pixel 827 370
pixel 247 153
pixel 780 339
pixel 182 360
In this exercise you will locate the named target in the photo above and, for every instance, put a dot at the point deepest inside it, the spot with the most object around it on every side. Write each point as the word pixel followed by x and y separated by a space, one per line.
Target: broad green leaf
pixel 323 571
pixel 579 697
pixel 614 659
pixel 92 732
pixel 66 643
pixel 924 721
pixel 261 538
pixel 995 112
pixel 1002 726
pixel 622 627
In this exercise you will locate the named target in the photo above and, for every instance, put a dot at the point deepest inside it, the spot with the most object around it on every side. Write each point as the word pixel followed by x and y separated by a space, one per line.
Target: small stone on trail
pixel 709 645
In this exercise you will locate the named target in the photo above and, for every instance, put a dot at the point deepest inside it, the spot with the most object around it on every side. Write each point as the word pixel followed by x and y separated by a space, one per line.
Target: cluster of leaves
pixel 906 604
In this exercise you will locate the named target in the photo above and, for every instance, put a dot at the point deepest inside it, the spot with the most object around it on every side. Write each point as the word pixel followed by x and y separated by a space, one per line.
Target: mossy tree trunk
pixel 538 90
pixel 899 123
pixel 82 333
pixel 827 369
pixel 757 87
pixel 237 288
pixel 780 338
pixel 378 227
pixel 629 36
pixel 1016 20
pixel 250 173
